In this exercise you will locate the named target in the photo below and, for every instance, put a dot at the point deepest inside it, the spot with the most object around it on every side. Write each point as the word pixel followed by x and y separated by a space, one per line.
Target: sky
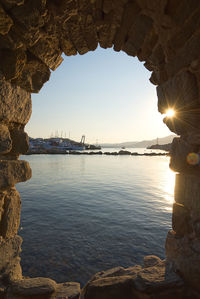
pixel 104 95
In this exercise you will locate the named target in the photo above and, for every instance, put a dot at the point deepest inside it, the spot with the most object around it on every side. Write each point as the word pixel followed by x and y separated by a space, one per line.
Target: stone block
pixel 148 45
pixel 152 260
pixel 5 22
pixel 34 286
pixel 157 57
pixel 185 32
pixel 184 56
pixel 187 193
pixel 34 75
pixel 11 3
pixel 131 10
pixel 12 172
pixel 47 50
pixel 181 220
pixel 10 219
pixel 73 27
pixel 118 271
pixel 68 290
pixel 2 196
pixel 9 253
pixel 179 152
pixel 109 287
pixel 31 15
pixel 183 258
pixel 179 93
pixel 157 278
pixel 15 59
pixel 20 141
pixel 15 103
pixel 183 122
pixel 66 45
pixel 140 28
pixel 5 139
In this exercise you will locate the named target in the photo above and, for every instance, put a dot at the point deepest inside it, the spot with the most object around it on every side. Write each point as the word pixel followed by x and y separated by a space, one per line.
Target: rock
pixel 5 139
pixel 108 288
pixel 5 22
pixel 20 141
pixel 122 152
pixel 31 15
pixel 183 258
pixel 130 12
pixel 156 281
pixel 179 152
pixel 16 59
pixel 180 92
pixel 181 220
pixel 67 290
pixel 34 75
pixel 152 260
pixel 34 286
pixel 15 103
pixel 157 278
pixel 9 252
pixel 40 49
pixel 10 219
pixel 117 271
pixel 2 196
pixel 187 193
pixel 12 172
pixel 140 28
pixel 11 3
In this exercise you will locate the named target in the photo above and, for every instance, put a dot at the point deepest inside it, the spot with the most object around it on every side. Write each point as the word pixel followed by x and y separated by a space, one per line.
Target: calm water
pixel 82 214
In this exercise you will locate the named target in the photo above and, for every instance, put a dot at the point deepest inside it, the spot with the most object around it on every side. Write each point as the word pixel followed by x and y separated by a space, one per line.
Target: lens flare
pixel 193 159
pixel 170 113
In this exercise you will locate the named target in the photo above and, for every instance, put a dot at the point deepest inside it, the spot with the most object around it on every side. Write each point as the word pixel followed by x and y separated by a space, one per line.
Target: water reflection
pixel 169 188
pixel 93 213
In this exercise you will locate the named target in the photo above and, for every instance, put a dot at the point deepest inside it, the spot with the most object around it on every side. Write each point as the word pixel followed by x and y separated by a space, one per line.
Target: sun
pixel 170 113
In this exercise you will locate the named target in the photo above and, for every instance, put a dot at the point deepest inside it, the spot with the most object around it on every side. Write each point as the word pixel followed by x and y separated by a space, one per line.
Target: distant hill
pixel 141 144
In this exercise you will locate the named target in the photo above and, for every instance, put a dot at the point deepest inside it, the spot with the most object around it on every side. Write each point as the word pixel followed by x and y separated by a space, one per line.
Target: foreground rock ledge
pixel 154 280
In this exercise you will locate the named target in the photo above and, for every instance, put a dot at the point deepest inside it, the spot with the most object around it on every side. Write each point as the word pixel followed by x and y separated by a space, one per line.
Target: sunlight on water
pixel 169 188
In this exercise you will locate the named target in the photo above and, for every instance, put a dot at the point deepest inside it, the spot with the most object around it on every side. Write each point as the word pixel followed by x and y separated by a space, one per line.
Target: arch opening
pixel 119 251
pixel 165 35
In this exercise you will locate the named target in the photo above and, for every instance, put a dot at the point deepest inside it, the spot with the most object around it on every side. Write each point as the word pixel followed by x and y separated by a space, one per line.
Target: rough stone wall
pixel 164 34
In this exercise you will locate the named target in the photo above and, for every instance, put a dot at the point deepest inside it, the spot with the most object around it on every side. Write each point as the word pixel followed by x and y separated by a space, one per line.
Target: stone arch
pixel 164 34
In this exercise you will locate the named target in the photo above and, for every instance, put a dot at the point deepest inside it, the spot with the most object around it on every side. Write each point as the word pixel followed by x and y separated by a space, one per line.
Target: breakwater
pixel 115 153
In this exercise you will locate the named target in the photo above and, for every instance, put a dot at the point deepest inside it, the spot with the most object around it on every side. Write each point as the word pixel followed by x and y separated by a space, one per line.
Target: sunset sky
pixel 104 95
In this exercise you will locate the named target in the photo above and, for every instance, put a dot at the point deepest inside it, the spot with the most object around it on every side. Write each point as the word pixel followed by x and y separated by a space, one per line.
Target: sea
pixel 83 214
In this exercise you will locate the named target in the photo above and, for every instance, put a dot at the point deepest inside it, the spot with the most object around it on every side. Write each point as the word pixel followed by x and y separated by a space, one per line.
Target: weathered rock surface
pixel 9 262
pixel 20 141
pixel 12 172
pixel 67 290
pixel 179 151
pixel 184 256
pixel 15 103
pixel 10 216
pixel 165 35
pixel 156 280
pixel 5 22
pixel 5 139
pixel 33 286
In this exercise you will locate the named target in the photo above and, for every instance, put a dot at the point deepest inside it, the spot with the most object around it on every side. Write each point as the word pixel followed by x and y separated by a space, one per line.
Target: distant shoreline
pixel 91 153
